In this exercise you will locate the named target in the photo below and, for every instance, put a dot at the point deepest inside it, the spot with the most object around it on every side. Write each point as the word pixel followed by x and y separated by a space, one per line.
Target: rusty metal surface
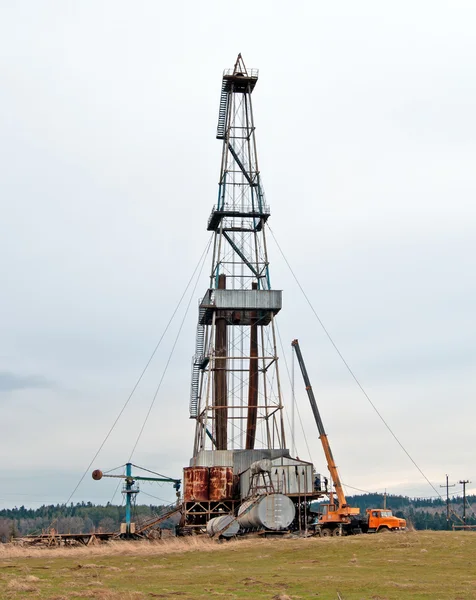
pixel 220 484
pixel 187 484
pixel 253 381
pixel 220 397
pixel 97 475
pixel 195 484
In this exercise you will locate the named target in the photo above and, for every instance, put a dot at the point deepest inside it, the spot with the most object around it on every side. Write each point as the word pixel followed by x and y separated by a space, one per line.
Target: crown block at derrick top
pixel 240 82
pixel 241 307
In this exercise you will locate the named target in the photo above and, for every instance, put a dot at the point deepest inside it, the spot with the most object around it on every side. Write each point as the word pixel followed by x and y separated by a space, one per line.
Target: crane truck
pixel 340 518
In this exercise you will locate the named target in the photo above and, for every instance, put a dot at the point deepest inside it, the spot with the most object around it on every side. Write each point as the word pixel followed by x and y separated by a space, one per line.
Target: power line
pixel 409 497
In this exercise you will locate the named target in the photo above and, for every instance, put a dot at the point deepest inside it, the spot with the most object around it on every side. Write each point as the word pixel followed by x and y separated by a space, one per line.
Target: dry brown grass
pixel 101 595
pixel 116 548
pixel 23 584
pixel 410 566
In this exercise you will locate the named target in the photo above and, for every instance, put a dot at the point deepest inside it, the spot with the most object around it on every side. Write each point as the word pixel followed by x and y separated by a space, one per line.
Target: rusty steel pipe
pixel 221 392
pixel 253 382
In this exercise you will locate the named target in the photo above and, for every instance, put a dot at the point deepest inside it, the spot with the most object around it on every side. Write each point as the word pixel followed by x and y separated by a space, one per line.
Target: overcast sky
pixel 366 134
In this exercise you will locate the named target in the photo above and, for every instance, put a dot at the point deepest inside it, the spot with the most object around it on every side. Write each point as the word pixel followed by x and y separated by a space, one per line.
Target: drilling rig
pixel 239 448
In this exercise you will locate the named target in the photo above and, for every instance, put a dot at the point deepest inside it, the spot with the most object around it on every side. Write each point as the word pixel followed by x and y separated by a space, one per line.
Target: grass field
pixel 418 565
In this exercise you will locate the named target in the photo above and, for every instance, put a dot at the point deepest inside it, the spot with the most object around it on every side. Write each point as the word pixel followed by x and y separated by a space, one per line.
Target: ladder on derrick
pixel 198 363
pixel 223 111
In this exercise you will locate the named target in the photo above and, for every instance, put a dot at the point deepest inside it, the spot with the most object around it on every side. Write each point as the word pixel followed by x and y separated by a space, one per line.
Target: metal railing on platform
pixel 253 73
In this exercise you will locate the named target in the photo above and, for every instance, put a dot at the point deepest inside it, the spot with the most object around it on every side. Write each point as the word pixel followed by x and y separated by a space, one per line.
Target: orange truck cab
pixel 382 519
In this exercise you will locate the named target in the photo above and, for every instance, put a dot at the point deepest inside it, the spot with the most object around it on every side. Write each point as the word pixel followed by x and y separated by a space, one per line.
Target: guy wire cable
pixel 354 377
pixel 204 254
pixel 203 258
pixel 297 407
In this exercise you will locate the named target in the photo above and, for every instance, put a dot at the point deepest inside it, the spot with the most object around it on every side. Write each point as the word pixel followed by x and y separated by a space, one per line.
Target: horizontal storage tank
pixel 195 484
pixel 220 484
pixel 218 523
pixel 274 512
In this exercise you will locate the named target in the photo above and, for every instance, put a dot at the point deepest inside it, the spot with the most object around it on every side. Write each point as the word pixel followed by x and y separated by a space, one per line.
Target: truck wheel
pixel 337 532
pixel 383 530
pixel 326 532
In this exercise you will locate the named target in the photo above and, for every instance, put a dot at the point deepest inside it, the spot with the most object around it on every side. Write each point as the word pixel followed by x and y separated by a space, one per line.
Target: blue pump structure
pixel 130 489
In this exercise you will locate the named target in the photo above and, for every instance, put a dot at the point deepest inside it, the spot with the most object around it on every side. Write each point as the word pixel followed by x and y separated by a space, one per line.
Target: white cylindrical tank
pixel 218 523
pixel 273 511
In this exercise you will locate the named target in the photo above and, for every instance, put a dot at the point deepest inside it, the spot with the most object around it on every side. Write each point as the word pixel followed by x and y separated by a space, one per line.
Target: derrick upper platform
pixel 239 81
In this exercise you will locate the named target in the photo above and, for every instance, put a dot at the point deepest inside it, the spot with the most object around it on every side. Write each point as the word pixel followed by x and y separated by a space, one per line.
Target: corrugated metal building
pixel 288 476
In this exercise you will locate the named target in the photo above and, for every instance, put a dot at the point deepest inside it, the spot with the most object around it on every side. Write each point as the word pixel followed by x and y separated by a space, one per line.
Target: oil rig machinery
pixel 240 464
pixel 241 476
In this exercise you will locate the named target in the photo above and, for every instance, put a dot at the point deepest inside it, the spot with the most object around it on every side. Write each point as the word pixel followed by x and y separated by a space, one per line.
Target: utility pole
pixel 463 483
pixel 448 501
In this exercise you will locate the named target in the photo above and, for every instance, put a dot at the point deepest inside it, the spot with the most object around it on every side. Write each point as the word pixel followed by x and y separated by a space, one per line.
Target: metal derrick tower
pixel 235 390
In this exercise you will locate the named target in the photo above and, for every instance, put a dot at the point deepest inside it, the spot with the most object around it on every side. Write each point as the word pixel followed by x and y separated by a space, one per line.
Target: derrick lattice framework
pixel 235 391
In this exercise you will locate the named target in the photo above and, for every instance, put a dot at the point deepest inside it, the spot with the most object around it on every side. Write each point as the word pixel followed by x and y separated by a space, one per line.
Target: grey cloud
pixel 10 382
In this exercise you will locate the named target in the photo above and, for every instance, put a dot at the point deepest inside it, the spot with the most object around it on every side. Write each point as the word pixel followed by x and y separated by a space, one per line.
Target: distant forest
pixel 85 517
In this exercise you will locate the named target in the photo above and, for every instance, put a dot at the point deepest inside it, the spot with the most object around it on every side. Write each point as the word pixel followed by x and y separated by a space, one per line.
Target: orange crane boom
pixel 342 519
pixel 344 509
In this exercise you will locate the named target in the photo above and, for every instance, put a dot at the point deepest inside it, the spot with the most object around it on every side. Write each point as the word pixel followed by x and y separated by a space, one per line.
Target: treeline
pixel 420 513
pixel 83 517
